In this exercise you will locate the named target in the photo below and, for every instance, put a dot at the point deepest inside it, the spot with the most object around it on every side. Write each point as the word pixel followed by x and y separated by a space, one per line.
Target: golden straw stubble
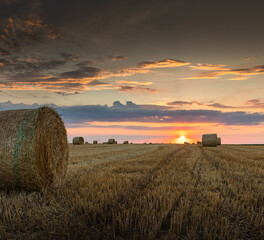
pixel 33 149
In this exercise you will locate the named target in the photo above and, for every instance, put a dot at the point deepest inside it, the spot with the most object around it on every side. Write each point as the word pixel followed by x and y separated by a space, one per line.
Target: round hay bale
pixel 219 141
pixel 125 142
pixel 77 141
pixel 209 140
pixel 86 143
pixel 111 141
pixel 95 142
pixel 33 149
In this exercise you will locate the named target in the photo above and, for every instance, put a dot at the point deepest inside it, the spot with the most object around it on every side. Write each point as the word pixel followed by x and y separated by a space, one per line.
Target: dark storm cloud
pixel 132 112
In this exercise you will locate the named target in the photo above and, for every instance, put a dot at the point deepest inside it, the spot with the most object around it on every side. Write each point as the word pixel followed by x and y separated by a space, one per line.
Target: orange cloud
pixel 208 66
pixel 241 72
pixel 133 82
pixel 166 63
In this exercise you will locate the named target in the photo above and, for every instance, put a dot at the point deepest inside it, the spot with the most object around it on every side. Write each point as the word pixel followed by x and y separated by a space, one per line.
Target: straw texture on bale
pixel 95 142
pixel 218 141
pixel 33 149
pixel 78 140
pixel 209 140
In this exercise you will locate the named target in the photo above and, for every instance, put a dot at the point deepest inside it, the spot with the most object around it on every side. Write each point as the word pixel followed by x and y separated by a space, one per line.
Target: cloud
pixel 255 103
pixel 4 52
pixel 145 67
pixel 84 72
pixel 98 83
pixel 15 32
pixel 242 73
pixel 219 105
pixel 69 56
pixel 133 82
pixel 85 63
pixel 166 63
pixel 117 58
pixel 239 78
pixel 66 94
pixel 181 103
pixel 136 89
pixel 184 103
pixel 135 113
pixel 251 58
pixel 31 73
pixel 208 66
pixel 34 64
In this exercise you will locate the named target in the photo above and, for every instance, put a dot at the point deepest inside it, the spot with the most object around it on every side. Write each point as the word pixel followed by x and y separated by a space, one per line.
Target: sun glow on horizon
pixel 181 140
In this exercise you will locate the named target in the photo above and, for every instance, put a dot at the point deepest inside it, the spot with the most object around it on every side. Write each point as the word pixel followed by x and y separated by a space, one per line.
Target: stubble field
pixel 145 192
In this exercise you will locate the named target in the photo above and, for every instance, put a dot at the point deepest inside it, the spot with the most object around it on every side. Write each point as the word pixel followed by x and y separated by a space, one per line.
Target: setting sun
pixel 181 140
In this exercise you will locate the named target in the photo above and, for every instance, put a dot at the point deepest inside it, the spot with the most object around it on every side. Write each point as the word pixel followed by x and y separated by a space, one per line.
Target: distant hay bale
pixel 111 141
pixel 86 143
pixel 77 141
pixel 198 142
pixel 186 143
pixel 95 142
pixel 209 140
pixel 104 142
pixel 125 142
pixel 33 149
pixel 218 141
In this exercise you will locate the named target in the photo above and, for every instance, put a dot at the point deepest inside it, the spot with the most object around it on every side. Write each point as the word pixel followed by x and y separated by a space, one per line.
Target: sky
pixel 143 71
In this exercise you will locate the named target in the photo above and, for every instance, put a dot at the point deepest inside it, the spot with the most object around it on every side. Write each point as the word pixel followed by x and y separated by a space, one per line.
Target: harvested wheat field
pixel 145 192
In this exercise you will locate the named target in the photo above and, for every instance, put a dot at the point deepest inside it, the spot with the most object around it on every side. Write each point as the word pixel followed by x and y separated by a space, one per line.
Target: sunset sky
pixel 143 71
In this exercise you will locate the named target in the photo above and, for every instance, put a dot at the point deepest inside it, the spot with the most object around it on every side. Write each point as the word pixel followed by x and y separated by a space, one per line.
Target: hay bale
pixel 219 141
pixel 209 140
pixel 111 141
pixel 86 143
pixel 125 142
pixel 33 149
pixel 104 142
pixel 77 141
pixel 95 142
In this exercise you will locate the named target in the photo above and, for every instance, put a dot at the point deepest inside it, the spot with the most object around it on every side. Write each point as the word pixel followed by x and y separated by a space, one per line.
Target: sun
pixel 182 139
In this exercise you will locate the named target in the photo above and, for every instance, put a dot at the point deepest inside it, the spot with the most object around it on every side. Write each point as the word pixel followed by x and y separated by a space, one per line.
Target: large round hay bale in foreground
pixel 77 141
pixel 218 141
pixel 209 140
pixel 33 149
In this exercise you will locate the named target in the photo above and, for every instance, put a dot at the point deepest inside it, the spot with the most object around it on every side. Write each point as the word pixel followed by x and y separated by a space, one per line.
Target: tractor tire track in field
pixel 166 223
pixel 246 230
pixel 198 167
pixel 127 199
